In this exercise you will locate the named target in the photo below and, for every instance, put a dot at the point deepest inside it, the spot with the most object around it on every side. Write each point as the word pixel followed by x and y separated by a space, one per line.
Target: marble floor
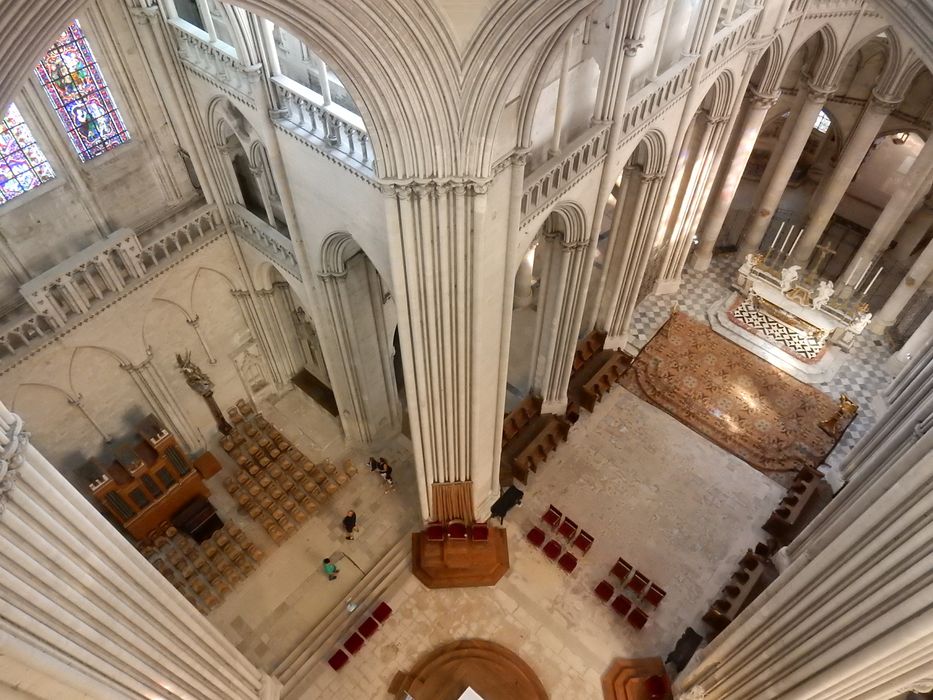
pixel 269 613
pixel 862 375
pixel 673 504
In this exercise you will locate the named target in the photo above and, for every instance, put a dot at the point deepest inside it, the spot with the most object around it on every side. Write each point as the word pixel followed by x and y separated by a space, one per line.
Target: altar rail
pixel 270 242
pixel 87 280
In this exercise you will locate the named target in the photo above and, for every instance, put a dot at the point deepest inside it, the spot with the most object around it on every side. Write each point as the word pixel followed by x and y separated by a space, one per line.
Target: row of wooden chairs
pixel 457 530
pixel 355 641
pixel 783 519
pixel 645 594
pixel 520 416
pixel 568 529
pixel 740 591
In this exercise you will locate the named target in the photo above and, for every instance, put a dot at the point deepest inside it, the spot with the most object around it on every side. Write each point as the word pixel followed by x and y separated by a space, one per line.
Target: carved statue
pixel 837 423
pixel 789 275
pixel 751 260
pixel 823 294
pixel 195 377
pixel 860 323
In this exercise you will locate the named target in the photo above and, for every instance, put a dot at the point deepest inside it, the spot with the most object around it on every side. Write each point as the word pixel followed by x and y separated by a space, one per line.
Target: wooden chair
pixel 654 595
pixel 637 618
pixel 479 532
pixel 656 687
pixel 567 529
pixel 354 643
pixel 638 583
pixel 382 612
pixel 583 541
pixel 434 532
pixel 567 562
pixel 369 627
pixel 536 536
pixel 621 605
pixel 338 660
pixel 604 591
pixel 552 517
pixel 456 530
pixel 621 570
pixel 552 549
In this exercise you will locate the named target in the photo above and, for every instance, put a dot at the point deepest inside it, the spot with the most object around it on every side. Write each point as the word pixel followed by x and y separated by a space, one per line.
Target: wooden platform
pixel 460 564
pixel 625 679
pixel 493 671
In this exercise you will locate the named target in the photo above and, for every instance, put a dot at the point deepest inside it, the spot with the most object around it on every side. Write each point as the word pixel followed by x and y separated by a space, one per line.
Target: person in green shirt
pixel 330 569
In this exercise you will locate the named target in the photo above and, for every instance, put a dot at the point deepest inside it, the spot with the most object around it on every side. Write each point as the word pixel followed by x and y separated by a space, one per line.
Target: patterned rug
pixel 743 404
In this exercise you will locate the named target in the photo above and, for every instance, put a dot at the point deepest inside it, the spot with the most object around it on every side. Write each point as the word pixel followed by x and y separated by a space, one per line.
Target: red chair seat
pixel 552 516
pixel 369 627
pixel 480 532
pixel 567 562
pixel 638 582
pixel 604 591
pixel 435 532
pixel 622 604
pixel 656 687
pixel 654 595
pixel 552 549
pixel 536 536
pixel 621 570
pixel 338 660
pixel 354 643
pixel 583 542
pixel 637 618
pixel 456 530
pixel 382 612
pixel 567 529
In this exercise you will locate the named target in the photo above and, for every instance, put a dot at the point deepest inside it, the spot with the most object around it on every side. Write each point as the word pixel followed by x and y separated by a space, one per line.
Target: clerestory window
pixel 23 165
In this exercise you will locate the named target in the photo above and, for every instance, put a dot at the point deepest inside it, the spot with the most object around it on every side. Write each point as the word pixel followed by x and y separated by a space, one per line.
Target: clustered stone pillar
pixel 83 608
pixel 786 160
pixel 915 184
pixel 914 279
pixel 914 231
pixel 827 196
pixel 850 616
pixel 756 109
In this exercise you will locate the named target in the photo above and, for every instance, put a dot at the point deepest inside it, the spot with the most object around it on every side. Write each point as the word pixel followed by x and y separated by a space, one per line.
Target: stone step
pixel 318 645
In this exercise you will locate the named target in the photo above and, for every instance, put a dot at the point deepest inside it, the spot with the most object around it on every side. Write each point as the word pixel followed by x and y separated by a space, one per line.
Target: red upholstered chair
pixel 354 643
pixel 552 549
pixel 604 591
pixel 637 618
pixel 567 562
pixel 583 542
pixel 621 570
pixel 638 582
pixel 552 516
pixel 456 530
pixel 654 595
pixel 435 532
pixel 536 536
pixel 369 627
pixel 338 660
pixel 567 529
pixel 622 605
pixel 479 532
pixel 656 687
pixel 382 612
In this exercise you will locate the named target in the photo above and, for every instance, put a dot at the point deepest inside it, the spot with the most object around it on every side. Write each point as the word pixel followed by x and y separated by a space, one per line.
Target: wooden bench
pixel 595 371
pixel 737 593
pixel 783 518
pixel 528 437
pixel 521 416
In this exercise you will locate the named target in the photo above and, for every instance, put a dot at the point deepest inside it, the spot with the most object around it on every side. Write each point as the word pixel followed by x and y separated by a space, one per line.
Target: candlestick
pixel 776 236
pixel 867 268
pixel 872 281
pixel 796 241
pixel 786 238
pixel 854 268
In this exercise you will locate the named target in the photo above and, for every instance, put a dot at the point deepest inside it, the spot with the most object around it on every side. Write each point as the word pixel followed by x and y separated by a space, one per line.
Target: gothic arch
pixel 568 220
pixel 336 249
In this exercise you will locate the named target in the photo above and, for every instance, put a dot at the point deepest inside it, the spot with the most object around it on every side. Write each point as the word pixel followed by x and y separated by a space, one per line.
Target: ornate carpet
pixel 743 404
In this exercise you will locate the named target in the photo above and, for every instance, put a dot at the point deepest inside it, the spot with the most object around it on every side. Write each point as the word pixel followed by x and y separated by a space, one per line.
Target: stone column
pixel 561 105
pixel 914 185
pixel 917 275
pixel 259 328
pixel 756 109
pixel 79 600
pixel 555 333
pixel 914 231
pixel 827 196
pixel 267 39
pixel 325 82
pixel 915 342
pixel 786 162
pixel 611 265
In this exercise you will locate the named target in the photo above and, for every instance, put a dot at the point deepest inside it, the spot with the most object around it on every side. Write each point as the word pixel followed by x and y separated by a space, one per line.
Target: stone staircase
pixel 326 637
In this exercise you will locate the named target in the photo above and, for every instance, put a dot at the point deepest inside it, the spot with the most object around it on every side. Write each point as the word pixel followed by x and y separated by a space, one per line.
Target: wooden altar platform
pixel 625 679
pixel 460 563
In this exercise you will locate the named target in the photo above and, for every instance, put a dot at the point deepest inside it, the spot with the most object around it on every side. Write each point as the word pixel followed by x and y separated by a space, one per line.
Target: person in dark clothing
pixel 386 471
pixel 349 523
pixel 374 464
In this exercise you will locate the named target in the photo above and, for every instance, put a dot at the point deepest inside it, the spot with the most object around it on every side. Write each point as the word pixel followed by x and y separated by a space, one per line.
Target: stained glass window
pixel 23 165
pixel 75 86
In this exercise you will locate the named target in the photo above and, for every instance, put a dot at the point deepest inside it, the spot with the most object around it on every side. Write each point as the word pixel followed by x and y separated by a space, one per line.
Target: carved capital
pixel 11 458
pixel 819 93
pixel 630 46
pixel 762 100
pixel 433 187
pixel 882 103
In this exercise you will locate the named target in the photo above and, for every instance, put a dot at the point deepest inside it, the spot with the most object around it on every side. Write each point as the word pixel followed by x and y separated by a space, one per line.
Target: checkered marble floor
pixel 861 377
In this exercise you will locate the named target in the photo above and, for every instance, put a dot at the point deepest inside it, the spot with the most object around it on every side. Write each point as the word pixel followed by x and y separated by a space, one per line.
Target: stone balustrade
pixel 330 128
pixel 264 238
pixel 80 284
pixel 214 62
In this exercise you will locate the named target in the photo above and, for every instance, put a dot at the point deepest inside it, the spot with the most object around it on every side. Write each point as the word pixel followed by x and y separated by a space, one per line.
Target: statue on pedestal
pixel 202 384
pixel 751 260
pixel 789 275
pixel 860 323
pixel 824 293
pixel 837 423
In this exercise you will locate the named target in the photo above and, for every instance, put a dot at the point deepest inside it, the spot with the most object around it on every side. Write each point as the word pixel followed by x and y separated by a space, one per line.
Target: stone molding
pixel 11 457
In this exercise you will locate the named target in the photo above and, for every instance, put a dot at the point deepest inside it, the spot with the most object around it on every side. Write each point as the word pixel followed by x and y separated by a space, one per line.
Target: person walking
pixel 374 465
pixel 386 471
pixel 330 569
pixel 349 523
